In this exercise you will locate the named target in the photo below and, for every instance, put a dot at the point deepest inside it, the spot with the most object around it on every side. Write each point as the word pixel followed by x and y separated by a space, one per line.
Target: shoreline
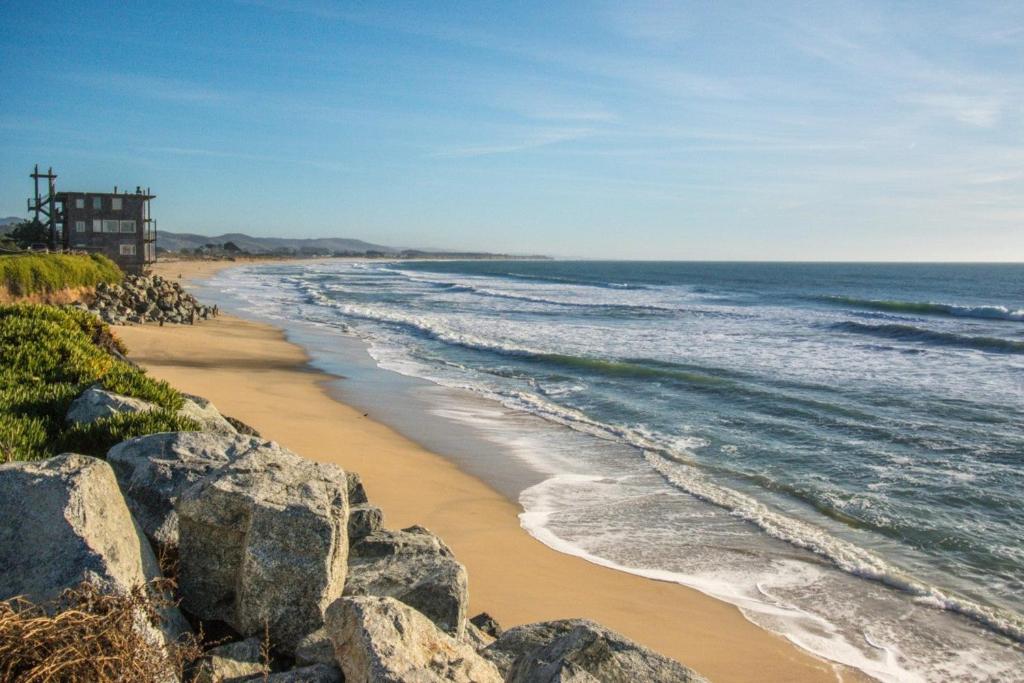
pixel 250 371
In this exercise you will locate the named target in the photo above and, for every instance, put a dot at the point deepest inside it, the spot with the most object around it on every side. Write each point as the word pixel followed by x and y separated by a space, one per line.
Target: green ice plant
pixel 49 356
pixel 25 274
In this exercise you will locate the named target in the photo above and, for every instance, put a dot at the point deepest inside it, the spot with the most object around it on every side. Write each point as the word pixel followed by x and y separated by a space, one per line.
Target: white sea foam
pixel 807 630
pixel 562 294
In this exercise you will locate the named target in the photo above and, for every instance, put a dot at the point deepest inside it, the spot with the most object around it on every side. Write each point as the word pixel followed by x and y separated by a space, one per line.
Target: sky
pixel 692 130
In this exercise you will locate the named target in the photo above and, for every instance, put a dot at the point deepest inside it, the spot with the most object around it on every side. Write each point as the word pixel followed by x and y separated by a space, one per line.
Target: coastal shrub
pixel 24 274
pixel 88 635
pixel 96 438
pixel 48 357
pixel 98 331
pixel 22 436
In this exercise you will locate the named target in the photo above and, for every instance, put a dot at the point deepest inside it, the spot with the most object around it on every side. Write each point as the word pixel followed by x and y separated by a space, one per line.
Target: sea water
pixel 837 449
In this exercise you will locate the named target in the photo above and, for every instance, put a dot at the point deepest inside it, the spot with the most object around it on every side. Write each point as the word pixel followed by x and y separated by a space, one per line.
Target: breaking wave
pixel 677 466
pixel 910 333
pixel 930 308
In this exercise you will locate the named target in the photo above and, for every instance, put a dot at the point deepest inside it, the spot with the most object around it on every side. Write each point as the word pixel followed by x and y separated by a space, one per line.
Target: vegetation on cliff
pixel 26 274
pixel 48 356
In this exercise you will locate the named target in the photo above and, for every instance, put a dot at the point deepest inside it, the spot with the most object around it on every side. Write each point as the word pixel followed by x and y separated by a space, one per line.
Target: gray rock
pixel 72 526
pixel 314 648
pixel 381 640
pixel 579 650
pixel 241 427
pixel 96 403
pixel 363 520
pixel 317 673
pixel 264 540
pixel 476 638
pixel 356 492
pixel 66 523
pixel 416 567
pixel 486 623
pixel 206 414
pixel 149 298
pixel 153 471
pixel 231 663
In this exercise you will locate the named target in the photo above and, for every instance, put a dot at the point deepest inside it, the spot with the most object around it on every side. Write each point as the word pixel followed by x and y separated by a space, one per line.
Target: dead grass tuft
pixel 88 635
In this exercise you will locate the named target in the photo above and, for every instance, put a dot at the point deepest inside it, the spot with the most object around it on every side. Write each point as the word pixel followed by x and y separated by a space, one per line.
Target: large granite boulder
pixel 206 414
pixel 381 640
pixel 65 522
pixel 153 471
pixel 95 403
pixel 263 540
pixel 416 567
pixel 579 650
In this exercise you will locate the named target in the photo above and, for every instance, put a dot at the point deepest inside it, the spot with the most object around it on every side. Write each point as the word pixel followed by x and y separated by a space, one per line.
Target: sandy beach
pixel 251 372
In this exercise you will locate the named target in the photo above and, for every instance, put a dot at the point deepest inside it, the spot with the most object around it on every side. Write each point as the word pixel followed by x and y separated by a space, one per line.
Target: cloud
pixel 200 152
pixel 650 73
pixel 659 22
pixel 532 141
pixel 981 111
pixel 204 153
pixel 156 87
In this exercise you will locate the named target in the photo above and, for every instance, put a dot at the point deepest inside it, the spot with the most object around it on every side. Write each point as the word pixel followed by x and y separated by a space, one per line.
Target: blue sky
pixel 807 131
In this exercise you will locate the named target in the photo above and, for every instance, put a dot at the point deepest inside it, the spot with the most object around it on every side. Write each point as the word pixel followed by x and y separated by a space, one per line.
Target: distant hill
pixel 177 241
pixel 182 241
pixel 7 223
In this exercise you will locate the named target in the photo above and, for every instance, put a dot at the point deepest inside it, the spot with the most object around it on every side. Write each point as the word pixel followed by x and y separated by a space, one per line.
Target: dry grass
pixel 87 635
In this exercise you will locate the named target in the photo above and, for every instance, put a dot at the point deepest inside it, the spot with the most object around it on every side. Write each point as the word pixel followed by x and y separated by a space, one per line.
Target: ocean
pixel 837 449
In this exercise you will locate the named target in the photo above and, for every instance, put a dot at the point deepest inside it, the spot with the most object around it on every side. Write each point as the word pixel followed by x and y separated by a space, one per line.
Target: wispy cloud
pixel 201 152
pixel 651 73
pixel 156 87
pixel 659 22
pixel 218 154
pixel 983 111
pixel 876 49
pixel 532 141
pixel 537 102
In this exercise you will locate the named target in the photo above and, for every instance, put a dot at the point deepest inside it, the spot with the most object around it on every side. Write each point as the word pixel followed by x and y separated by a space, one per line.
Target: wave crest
pixel 930 308
pixel 910 333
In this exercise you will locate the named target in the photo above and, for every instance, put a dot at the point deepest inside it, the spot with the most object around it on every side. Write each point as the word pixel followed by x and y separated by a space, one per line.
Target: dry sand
pixel 252 373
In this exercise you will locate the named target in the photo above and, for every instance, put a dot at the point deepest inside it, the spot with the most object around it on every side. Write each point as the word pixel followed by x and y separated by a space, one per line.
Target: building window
pixel 97 225
pixel 80 203
pixel 110 226
pixel 79 226
pixel 97 203
pixel 127 250
pixel 115 203
pixel 128 226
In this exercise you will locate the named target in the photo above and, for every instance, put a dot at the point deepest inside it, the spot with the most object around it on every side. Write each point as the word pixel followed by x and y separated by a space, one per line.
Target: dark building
pixel 114 224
